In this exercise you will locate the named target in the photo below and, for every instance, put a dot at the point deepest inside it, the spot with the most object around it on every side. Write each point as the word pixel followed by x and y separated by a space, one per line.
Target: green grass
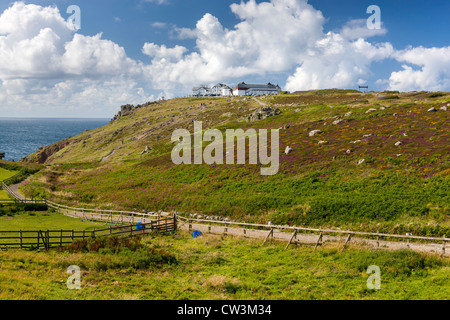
pixel 5 174
pixel 4 195
pixel 213 267
pixel 44 221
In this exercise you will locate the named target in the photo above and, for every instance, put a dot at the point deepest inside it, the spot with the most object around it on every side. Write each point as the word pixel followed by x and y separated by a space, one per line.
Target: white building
pixel 244 89
pixel 219 89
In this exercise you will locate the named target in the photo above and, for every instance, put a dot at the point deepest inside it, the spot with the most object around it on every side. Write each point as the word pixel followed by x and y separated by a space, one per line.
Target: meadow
pixel 179 267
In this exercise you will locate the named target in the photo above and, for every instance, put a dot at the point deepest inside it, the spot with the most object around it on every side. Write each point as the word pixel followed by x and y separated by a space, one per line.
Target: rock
pixel 348 151
pixel 367 135
pixel 371 110
pixel 337 121
pixel 360 162
pixel 288 150
pixel 314 132
pixel 398 143
pixel 433 109
pixel 321 142
pixel 443 108
pixel 357 141
pixel 146 150
pixel 263 113
pixel 348 114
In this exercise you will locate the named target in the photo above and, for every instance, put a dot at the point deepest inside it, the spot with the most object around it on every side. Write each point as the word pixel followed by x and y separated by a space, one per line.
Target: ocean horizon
pixel 20 137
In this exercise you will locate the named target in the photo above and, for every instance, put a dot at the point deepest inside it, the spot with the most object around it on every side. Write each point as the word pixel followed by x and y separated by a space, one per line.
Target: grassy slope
pixel 212 267
pixel 44 221
pixel 5 174
pixel 397 189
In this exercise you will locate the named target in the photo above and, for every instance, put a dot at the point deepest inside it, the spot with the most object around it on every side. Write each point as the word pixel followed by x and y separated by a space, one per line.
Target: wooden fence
pixel 48 239
pixel 131 218
pixel 103 215
pixel 290 233
pixel 16 198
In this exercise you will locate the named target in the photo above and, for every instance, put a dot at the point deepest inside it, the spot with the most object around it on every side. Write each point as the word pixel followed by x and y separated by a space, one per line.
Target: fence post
pixel 268 236
pixel 47 235
pixel 319 240
pixel 443 246
pixel 347 241
pixel 294 236
pixel 20 239
pixel 378 238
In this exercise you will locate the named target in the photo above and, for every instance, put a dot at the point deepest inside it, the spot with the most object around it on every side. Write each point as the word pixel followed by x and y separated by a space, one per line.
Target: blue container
pixel 196 234
pixel 139 226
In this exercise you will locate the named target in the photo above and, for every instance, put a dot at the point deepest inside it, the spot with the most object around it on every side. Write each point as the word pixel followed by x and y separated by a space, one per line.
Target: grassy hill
pixel 380 163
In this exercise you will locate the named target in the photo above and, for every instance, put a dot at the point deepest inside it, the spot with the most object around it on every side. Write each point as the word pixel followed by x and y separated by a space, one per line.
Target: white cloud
pixel 156 1
pixel 42 62
pixel 432 70
pixel 163 53
pixel 355 29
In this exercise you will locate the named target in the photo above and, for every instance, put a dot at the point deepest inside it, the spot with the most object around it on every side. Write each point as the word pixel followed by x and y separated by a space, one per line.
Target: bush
pixel 437 95
pixel 403 262
pixel 120 253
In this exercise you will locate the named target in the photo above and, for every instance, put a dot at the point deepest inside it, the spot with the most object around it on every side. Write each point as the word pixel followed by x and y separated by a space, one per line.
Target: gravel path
pixel 15 188
pixel 311 239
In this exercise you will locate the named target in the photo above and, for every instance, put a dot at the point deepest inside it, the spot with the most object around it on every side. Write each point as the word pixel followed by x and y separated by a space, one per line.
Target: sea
pixel 20 137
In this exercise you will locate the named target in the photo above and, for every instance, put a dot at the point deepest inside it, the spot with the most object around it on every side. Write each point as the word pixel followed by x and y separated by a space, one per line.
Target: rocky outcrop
pixel 43 153
pixel 263 113
pixel 127 109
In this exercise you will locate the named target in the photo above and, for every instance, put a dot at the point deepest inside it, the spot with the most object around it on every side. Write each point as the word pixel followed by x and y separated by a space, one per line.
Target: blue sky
pixel 132 51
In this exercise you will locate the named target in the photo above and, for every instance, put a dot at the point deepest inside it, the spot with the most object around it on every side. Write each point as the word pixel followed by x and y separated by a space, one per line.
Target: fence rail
pixel 103 215
pixel 131 218
pixel 16 198
pixel 292 232
pixel 57 238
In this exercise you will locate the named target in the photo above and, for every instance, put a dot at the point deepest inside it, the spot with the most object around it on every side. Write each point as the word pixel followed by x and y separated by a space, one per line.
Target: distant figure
pixel 2 155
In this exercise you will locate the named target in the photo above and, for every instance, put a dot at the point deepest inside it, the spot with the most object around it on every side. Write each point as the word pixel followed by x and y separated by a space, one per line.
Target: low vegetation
pixel 212 267
pixel 379 164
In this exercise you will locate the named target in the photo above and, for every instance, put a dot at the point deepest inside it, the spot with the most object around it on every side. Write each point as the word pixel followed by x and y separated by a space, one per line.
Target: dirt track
pixel 311 239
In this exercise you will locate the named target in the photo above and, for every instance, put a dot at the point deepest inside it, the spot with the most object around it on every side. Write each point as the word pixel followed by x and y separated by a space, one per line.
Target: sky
pixel 88 61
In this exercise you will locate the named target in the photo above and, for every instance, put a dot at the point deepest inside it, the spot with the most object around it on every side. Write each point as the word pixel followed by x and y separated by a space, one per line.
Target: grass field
pixel 213 267
pixel 5 174
pixel 3 195
pixel 44 221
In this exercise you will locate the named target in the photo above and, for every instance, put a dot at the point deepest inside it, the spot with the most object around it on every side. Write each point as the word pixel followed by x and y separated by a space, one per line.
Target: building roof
pixel 247 86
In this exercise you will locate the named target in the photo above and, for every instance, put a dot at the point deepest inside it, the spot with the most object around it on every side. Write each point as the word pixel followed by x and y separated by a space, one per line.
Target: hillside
pixel 379 162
